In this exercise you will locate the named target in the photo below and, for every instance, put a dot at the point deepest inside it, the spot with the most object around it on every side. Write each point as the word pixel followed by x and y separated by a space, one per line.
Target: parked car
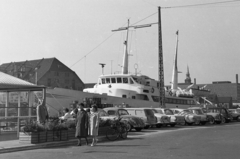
pixel 162 119
pixel 224 115
pixel 174 119
pixel 235 114
pixel 131 121
pixel 146 114
pixel 198 111
pixel 190 118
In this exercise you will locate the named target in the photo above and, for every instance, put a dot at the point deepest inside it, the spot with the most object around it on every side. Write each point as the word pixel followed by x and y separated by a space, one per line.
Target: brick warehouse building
pixel 49 72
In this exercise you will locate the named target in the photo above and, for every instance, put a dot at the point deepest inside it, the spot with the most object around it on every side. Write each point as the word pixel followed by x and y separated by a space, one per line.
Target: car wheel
pixel 218 122
pixel 211 120
pixel 238 118
pixel 189 124
pixel 146 127
pixel 203 123
pixel 223 120
pixel 159 125
pixel 138 129
pixel 172 125
pixel 129 127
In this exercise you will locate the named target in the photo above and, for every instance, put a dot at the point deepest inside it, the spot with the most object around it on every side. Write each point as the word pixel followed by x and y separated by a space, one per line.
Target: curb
pixel 46 145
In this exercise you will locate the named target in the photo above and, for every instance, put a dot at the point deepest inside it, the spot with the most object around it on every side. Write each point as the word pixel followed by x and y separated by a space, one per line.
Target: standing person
pixel 81 125
pixel 94 124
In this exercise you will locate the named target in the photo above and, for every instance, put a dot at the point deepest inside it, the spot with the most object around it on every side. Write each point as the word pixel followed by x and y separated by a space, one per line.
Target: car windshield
pixel 112 112
pixel 123 112
pixel 187 111
pixel 158 111
pixel 198 111
pixel 102 113
pixel 214 110
pixel 168 112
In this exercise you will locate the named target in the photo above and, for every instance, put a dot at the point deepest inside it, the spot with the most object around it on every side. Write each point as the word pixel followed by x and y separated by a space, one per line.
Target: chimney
pixel 195 81
pixel 236 78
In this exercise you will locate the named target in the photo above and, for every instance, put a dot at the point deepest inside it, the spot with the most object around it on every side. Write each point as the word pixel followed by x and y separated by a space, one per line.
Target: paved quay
pixel 11 146
pixel 14 145
pixel 189 142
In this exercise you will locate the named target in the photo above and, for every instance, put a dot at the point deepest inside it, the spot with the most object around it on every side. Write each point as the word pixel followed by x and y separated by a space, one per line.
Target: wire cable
pixel 93 49
pixel 203 4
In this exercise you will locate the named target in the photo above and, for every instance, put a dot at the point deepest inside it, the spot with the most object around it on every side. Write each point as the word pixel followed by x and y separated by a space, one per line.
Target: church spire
pixel 188 78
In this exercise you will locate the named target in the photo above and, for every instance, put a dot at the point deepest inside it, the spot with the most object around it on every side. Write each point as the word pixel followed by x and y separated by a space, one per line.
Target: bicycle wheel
pixel 124 132
pixel 112 134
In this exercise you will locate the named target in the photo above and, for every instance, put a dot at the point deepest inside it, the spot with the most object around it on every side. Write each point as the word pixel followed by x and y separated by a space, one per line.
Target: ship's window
pixel 107 80
pixel 166 100
pixel 170 100
pixel 113 80
pixel 103 80
pixel 119 80
pixel 131 81
pixel 146 91
pixel 124 96
pixel 125 80
pixel 135 79
pixel 174 101
pixel 188 102
pixel 133 97
pixel 185 101
pixel 178 101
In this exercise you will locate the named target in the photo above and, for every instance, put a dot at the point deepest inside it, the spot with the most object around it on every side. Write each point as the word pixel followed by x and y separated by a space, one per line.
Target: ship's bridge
pixel 125 86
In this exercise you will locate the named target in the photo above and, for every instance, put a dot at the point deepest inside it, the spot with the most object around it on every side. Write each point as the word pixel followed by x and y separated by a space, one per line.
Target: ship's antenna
pixel 102 64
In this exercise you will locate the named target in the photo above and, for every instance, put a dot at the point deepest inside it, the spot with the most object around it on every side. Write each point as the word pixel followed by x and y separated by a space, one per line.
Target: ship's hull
pixel 59 98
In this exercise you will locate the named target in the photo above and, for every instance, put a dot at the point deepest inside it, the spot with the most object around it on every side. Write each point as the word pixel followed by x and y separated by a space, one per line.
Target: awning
pixel 11 83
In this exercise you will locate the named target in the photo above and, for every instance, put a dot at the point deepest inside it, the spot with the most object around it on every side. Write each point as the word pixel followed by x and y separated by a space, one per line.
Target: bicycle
pixel 117 130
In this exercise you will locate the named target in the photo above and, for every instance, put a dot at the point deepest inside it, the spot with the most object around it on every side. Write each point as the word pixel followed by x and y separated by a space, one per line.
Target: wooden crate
pixel 32 137
pixel 71 134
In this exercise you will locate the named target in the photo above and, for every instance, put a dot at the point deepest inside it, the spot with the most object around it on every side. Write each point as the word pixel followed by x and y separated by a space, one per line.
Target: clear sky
pixel 209 36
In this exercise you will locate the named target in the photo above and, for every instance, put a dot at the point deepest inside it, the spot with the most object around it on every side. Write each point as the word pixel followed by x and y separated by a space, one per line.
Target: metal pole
pixel 160 63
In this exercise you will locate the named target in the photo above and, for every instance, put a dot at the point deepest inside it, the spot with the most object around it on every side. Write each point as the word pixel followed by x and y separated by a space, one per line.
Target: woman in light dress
pixel 94 124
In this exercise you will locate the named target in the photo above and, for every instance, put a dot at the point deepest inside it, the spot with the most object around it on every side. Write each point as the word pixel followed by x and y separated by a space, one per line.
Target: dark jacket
pixel 81 124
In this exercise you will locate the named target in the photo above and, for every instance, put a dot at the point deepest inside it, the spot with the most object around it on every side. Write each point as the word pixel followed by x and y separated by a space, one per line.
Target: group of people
pixel 87 122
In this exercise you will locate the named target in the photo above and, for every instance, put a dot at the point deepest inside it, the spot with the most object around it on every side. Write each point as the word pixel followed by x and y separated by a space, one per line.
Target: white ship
pixel 124 89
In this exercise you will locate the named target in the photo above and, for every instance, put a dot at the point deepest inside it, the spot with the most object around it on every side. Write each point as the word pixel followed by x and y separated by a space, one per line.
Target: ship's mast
pixel 125 56
pixel 174 83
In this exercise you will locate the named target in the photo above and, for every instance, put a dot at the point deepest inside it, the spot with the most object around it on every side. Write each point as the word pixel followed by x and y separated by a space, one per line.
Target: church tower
pixel 188 78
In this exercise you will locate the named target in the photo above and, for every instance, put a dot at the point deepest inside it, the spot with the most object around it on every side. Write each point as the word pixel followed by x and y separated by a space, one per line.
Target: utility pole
pixel 160 62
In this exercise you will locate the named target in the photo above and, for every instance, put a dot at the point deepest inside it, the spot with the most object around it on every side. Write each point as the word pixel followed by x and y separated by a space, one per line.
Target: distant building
pixel 49 72
pixel 225 90
pixel 188 78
